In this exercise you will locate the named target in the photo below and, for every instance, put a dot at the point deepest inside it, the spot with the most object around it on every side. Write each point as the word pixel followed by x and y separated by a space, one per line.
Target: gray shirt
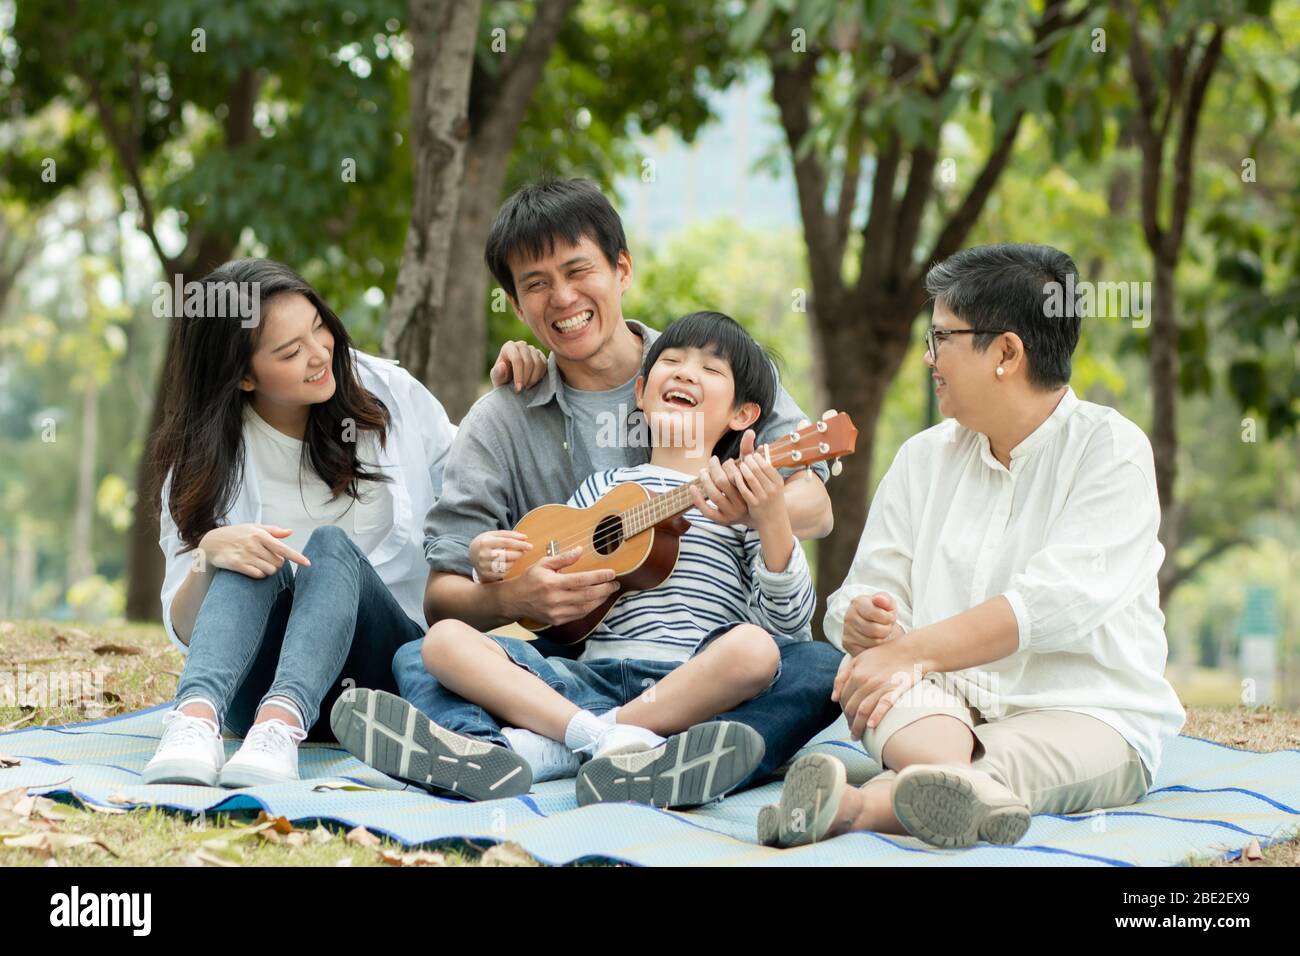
pixel 601 425
pixel 516 451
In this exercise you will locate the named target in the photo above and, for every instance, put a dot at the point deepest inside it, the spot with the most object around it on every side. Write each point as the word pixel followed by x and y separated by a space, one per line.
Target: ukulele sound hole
pixel 608 535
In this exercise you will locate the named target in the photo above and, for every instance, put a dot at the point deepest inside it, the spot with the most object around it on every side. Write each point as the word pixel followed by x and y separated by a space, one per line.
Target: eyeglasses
pixel 934 336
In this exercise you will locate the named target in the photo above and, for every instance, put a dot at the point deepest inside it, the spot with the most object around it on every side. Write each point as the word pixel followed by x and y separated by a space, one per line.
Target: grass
pixel 139 668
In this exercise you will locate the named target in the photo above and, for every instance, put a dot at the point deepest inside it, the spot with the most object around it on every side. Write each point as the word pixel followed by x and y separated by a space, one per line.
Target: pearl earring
pixel 1001 371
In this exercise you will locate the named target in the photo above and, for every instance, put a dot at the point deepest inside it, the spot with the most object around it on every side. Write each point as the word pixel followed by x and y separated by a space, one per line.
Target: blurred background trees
pixel 795 163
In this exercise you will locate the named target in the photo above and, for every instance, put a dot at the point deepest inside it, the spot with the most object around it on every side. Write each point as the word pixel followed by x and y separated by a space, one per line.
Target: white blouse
pixel 387 527
pixel 1067 535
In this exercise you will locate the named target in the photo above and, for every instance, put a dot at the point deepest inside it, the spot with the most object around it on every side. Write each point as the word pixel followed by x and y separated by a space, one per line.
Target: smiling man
pixel 558 250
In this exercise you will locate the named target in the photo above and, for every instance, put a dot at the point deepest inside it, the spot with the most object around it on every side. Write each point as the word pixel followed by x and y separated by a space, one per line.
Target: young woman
pixel 298 471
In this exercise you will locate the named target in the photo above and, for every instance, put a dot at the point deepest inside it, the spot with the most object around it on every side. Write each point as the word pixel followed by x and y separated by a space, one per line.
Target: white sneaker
pixel 549 759
pixel 190 751
pixel 624 739
pixel 269 755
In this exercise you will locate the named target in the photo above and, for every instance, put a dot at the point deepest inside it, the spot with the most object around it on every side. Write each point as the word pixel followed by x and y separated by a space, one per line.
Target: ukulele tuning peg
pixel 836 467
pixel 829 413
pixel 803 423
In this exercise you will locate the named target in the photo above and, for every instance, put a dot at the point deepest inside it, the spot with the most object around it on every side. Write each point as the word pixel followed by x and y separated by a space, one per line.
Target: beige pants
pixel 1057 761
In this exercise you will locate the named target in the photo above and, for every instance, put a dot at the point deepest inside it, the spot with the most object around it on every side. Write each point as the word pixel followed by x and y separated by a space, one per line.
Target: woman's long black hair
pixel 200 442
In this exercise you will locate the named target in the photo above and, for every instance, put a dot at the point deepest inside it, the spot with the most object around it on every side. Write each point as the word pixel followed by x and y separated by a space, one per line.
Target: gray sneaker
pixel 695 767
pixel 810 799
pixel 385 732
pixel 955 806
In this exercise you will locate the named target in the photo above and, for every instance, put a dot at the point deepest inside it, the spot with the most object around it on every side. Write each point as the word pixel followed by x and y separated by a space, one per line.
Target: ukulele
pixel 636 532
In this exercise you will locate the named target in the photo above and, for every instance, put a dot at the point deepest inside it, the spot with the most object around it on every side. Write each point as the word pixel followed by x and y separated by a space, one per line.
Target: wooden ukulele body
pixel 641 562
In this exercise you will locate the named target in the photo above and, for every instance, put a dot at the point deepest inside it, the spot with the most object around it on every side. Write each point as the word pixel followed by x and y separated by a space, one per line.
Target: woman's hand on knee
pixel 253 550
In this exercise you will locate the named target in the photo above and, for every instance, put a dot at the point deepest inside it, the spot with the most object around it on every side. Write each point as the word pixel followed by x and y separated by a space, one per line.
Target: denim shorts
pixel 605 683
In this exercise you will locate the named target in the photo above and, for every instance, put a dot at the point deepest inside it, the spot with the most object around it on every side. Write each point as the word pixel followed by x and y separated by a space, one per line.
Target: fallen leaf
pixel 209 857
pixel 321 835
pixel 47 843
pixel 343 785
pixel 60 640
pixel 507 854
pixel 415 858
pixel 99 808
pixel 279 824
pixel 362 837
pixel 6 762
pixel 1261 718
pixel 122 649
pixel 1252 851
pixel 121 798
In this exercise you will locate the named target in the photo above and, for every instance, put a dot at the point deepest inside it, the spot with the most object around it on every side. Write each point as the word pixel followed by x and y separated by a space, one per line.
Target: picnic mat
pixel 1208 800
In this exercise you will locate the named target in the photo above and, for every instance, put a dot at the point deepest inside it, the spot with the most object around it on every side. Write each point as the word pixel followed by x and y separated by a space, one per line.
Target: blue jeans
pixel 794 708
pixel 305 637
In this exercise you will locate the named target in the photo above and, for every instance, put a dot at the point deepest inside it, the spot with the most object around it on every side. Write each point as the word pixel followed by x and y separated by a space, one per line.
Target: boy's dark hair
pixel 540 213
pixel 1006 287
pixel 751 364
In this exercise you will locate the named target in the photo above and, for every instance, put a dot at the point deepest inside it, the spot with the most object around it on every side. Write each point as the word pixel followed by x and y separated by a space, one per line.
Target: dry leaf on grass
pixel 1252 851
pixel 46 843
pixel 207 856
pixel 122 649
pixel 121 799
pixel 321 835
pixel 507 854
pixel 362 837
pixel 6 761
pixel 414 858
pixel 1262 717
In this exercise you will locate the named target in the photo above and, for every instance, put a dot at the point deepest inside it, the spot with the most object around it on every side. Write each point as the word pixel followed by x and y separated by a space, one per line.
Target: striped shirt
pixel 720 579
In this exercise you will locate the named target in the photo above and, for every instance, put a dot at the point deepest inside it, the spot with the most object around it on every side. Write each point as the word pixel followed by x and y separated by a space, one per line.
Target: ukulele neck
pixel 659 508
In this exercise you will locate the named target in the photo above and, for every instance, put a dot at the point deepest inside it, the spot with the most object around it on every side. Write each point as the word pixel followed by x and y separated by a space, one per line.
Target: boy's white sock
pixel 610 716
pixel 549 759
pixel 583 730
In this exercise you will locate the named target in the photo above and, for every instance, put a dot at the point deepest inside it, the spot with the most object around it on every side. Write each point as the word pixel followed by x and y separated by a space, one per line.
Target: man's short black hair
pixel 1006 287
pixel 751 365
pixel 539 214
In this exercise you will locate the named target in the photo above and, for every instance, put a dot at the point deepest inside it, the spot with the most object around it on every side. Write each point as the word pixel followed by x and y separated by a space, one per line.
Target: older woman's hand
pixel 868 686
pixel 870 620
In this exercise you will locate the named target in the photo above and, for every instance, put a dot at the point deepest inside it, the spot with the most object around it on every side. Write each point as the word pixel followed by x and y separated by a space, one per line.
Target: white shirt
pixel 1067 535
pixel 295 497
pixel 419 439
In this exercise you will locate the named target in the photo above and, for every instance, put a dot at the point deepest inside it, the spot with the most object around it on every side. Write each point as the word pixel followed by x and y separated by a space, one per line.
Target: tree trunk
pixel 1164 415
pixel 859 368
pixel 81 559
pixel 458 349
pixel 443 34
pixel 144 558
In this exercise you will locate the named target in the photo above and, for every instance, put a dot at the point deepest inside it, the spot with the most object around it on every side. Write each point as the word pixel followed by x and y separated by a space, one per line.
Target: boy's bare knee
pixel 443 640
pixel 752 655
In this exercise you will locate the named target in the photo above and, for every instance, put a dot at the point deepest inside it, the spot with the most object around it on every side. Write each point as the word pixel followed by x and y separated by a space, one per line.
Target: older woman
pixel 1002 613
